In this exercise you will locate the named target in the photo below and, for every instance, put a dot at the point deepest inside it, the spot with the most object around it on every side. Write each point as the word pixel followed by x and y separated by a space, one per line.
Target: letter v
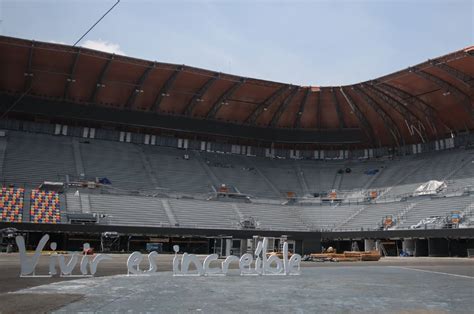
pixel 28 265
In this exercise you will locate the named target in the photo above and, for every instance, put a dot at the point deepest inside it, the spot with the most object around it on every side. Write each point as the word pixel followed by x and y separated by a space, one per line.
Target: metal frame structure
pixel 297 123
pixel 165 89
pixel 100 82
pixel 198 97
pixel 284 104
pixel 265 104
pixel 139 86
pixel 222 100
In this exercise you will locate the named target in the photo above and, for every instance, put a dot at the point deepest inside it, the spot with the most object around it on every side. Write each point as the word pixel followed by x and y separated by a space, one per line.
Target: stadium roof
pixel 420 103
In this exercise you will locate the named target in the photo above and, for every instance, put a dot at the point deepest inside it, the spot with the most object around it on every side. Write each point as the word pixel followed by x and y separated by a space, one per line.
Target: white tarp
pixel 429 188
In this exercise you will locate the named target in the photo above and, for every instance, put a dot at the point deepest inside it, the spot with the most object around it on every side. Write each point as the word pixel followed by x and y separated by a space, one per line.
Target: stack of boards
pixel 348 256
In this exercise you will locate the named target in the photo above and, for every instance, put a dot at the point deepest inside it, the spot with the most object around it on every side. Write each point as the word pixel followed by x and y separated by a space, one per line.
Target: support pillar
pixel 369 245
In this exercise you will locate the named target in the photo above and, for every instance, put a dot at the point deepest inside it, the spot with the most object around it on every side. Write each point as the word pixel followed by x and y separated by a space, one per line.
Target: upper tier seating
pixel 11 204
pixel 281 173
pixel 176 174
pixel 238 171
pixel 45 207
pixel 32 158
pixel 118 162
pixel 320 175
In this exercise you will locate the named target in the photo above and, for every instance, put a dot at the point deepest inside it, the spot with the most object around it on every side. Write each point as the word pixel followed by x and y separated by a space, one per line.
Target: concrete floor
pixel 390 285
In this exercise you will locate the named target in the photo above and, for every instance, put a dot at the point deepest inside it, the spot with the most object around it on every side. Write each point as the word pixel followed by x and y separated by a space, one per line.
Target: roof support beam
pixel 340 116
pixel 164 91
pixel 390 125
pixel 100 82
pixel 448 87
pixel 408 99
pixel 318 109
pixel 464 78
pixel 284 104
pixel 265 104
pixel 29 73
pixel 414 124
pixel 364 122
pixel 71 79
pixel 297 123
pixel 222 100
pixel 139 86
pixel 198 97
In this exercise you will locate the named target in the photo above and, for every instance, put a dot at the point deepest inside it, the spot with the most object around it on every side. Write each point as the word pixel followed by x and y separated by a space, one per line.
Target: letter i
pixel 53 258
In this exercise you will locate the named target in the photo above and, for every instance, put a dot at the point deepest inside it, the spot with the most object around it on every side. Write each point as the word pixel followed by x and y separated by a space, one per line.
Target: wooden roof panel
pixel 121 85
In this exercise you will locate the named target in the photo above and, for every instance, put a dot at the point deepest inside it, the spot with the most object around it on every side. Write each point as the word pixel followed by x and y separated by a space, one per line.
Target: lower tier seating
pixel 11 204
pixel 45 207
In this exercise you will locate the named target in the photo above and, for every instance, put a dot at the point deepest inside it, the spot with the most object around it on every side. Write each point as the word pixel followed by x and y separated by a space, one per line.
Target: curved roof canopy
pixel 420 103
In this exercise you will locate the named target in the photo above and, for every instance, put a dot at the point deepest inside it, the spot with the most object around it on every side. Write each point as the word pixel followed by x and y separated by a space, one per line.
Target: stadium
pixel 185 155
pixel 136 155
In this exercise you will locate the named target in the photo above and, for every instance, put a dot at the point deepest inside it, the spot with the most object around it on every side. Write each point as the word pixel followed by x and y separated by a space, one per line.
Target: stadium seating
pixel 128 210
pixel 174 173
pixel 325 216
pixel 274 217
pixel 370 216
pixel 134 167
pixel 11 204
pixel 45 207
pixel 31 158
pixel 163 172
pixel 239 172
pixel 281 173
pixel 118 162
pixel 202 214
pixel 435 207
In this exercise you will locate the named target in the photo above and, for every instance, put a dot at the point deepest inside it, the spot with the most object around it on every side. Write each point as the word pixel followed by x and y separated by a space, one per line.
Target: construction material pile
pixel 346 256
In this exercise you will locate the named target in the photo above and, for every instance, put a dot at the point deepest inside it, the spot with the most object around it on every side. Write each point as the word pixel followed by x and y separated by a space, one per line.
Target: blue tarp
pixel 104 181
pixel 371 172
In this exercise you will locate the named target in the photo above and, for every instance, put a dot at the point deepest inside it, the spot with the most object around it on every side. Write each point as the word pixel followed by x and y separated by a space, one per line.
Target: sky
pixel 317 43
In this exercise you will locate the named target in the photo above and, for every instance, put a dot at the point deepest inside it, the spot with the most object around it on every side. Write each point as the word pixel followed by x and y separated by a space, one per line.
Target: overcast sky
pixel 300 42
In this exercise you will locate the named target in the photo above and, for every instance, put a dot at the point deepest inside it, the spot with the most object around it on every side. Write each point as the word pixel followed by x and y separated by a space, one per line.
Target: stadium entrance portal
pixel 226 246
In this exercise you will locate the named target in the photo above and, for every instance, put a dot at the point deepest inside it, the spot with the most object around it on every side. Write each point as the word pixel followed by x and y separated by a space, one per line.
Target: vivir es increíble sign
pixel 261 266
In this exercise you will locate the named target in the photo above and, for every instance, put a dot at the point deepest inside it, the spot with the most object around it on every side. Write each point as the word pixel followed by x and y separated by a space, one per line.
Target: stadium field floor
pixel 393 284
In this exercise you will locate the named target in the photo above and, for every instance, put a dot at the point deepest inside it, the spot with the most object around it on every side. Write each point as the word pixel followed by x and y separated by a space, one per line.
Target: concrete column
pixel 243 246
pixel 369 245
pixel 408 246
pixel 228 247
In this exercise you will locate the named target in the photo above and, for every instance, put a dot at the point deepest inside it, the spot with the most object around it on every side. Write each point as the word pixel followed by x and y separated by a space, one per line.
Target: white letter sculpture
pixel 262 265
pixel 28 265
pixel 134 260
